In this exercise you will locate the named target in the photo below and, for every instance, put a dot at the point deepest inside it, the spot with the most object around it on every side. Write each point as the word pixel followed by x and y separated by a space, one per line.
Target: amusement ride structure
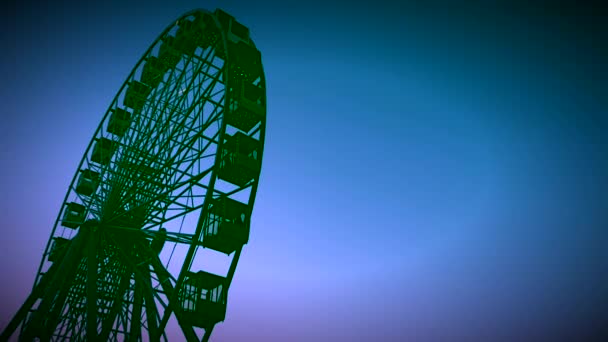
pixel 171 172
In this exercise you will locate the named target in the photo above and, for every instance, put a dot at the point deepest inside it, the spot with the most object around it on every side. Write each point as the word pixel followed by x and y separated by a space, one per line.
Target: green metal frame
pixel 160 169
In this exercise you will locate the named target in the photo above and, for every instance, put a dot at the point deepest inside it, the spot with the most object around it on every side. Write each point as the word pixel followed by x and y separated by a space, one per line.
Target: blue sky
pixel 434 173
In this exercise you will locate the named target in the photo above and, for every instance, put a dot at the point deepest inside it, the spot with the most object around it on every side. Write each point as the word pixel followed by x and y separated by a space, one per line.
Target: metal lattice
pixel 171 170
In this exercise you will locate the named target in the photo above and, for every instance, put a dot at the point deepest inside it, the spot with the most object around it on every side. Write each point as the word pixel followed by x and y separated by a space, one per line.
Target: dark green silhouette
pixel 184 136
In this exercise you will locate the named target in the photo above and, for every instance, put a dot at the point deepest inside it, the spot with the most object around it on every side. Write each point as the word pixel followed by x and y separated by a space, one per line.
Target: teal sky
pixel 433 173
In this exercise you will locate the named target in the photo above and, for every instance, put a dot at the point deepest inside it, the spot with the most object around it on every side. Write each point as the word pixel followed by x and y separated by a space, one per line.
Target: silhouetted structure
pixel 184 136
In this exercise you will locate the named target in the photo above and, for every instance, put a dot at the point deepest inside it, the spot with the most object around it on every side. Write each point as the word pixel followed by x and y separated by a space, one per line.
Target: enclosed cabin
pixel 88 182
pixel 240 162
pixel 187 36
pixel 119 122
pixel 227 226
pixel 200 25
pixel 234 30
pixel 158 241
pixel 136 95
pixel 246 106
pixel 245 62
pixel 211 32
pixel 202 299
pixel 153 71
pixel 140 164
pixel 58 248
pixel 103 151
pixel 73 215
pixel 169 54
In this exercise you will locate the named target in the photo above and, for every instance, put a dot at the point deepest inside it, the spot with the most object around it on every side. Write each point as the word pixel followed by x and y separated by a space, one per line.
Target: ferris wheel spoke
pixel 170 88
pixel 168 140
pixel 136 315
pixel 150 122
pixel 186 163
pixel 166 284
pixel 211 52
pixel 187 183
pixel 208 332
pixel 199 137
pixel 182 212
pixel 162 195
pixel 151 311
pixel 190 97
pixel 182 238
pixel 194 158
pixel 177 83
pixel 122 215
pixel 168 110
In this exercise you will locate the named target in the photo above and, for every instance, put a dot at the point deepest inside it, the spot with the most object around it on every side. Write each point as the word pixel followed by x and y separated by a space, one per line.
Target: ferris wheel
pixel 171 173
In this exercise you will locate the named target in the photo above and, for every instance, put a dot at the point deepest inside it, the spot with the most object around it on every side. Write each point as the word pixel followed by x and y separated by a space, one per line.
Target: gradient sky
pixel 433 173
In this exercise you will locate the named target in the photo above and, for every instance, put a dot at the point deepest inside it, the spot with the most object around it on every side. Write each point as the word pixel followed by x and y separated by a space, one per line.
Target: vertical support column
pixel 232 269
pixel 163 276
pixel 208 332
pixel 135 327
pixel 151 312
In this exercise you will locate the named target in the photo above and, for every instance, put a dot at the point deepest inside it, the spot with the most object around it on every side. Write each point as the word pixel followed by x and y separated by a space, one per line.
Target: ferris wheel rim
pixel 114 103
